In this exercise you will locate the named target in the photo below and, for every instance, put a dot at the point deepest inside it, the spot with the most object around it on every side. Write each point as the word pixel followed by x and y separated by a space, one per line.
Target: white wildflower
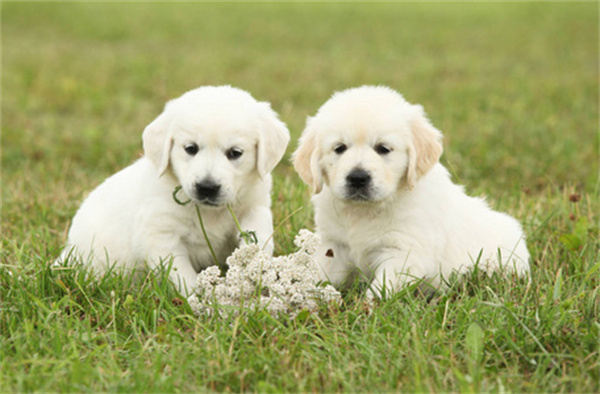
pixel 307 241
pixel 283 285
pixel 210 277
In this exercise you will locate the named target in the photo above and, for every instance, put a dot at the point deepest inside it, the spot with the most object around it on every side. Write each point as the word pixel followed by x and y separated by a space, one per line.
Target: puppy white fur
pixel 220 145
pixel 385 207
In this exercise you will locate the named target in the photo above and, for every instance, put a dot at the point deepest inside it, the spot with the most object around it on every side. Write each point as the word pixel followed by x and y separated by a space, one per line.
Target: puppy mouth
pixel 358 195
pixel 210 203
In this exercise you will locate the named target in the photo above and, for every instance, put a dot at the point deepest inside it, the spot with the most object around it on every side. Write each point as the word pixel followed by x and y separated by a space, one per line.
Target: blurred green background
pixel 514 86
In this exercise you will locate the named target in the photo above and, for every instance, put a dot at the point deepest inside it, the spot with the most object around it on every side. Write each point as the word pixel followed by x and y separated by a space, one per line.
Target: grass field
pixel 514 88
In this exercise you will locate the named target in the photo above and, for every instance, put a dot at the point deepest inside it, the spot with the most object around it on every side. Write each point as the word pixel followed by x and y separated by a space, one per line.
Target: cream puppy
pixel 219 144
pixel 385 207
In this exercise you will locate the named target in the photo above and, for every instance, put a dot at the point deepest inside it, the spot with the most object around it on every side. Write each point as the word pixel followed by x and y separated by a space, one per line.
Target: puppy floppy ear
pixel 306 159
pixel 158 141
pixel 425 148
pixel 273 140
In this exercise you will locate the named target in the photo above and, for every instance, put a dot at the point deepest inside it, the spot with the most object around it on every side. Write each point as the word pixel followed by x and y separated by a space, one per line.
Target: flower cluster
pixel 283 285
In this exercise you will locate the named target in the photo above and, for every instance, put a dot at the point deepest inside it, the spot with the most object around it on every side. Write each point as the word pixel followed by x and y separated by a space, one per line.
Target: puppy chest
pixel 365 231
pixel 222 238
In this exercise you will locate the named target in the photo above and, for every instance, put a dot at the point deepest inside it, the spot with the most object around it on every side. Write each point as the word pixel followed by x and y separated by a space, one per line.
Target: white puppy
pixel 220 145
pixel 385 207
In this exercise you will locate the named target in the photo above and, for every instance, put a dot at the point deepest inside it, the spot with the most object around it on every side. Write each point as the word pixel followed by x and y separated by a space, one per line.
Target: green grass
pixel 514 88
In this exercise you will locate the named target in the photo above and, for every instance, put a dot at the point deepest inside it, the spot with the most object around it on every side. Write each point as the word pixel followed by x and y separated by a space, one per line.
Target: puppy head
pixel 215 141
pixel 365 144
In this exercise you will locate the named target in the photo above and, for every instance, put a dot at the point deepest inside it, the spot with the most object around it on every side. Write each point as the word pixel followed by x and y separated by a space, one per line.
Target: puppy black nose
pixel 207 190
pixel 358 178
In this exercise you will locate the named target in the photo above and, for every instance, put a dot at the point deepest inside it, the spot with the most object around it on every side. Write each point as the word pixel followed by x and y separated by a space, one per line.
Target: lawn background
pixel 513 86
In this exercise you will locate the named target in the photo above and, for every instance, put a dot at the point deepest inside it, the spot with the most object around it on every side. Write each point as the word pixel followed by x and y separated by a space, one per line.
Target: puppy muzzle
pixel 208 192
pixel 359 185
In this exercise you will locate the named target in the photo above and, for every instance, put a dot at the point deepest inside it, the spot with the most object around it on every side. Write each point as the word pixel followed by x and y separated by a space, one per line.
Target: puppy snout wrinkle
pixel 207 190
pixel 358 178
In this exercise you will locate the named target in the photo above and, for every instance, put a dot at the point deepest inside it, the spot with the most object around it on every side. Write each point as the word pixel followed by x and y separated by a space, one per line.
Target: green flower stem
pixel 248 236
pixel 212 251
pixel 178 201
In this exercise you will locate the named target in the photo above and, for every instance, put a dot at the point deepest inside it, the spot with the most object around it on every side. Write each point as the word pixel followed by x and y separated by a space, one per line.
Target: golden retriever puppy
pixel 385 207
pixel 219 144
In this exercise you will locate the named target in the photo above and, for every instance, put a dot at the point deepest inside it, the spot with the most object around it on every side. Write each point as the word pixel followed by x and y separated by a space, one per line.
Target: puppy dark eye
pixel 339 149
pixel 382 149
pixel 191 149
pixel 234 153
